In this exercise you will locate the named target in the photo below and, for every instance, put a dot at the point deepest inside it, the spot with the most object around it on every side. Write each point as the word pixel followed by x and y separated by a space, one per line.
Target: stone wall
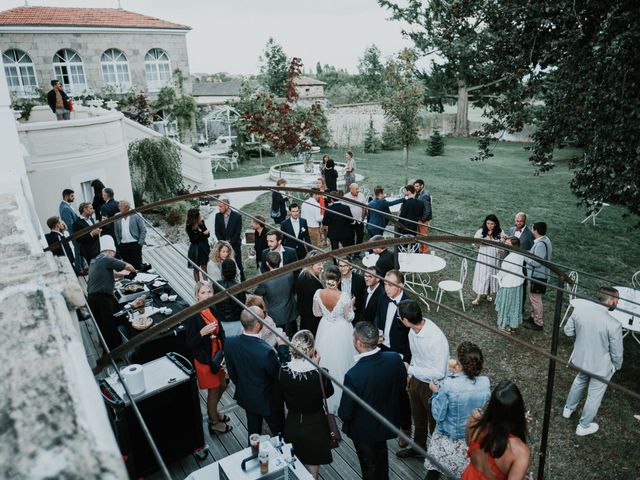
pixel 349 123
pixel 41 47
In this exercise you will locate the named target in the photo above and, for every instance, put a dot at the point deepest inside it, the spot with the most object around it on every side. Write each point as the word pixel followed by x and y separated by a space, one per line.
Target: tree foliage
pixel 435 144
pixel 286 126
pixel 371 71
pixel 273 71
pixel 182 107
pixel 371 140
pixel 156 169
pixel 572 69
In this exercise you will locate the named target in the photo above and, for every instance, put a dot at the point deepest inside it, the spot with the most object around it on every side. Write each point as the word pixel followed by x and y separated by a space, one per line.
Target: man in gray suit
pixel 522 231
pixel 130 234
pixel 598 349
pixel 278 296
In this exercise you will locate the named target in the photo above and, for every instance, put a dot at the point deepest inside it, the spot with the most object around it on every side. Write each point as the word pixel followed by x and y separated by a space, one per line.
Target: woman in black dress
pixel 306 425
pixel 306 285
pixel 98 201
pixel 199 248
pixel 331 176
pixel 279 203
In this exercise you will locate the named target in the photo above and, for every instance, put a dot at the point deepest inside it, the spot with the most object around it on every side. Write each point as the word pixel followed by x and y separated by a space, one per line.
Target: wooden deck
pixel 168 263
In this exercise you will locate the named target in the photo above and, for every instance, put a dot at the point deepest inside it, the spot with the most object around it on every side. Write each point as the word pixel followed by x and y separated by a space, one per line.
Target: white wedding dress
pixel 334 341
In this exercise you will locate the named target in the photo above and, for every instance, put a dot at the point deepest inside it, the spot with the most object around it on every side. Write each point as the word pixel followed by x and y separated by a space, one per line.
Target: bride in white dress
pixel 334 339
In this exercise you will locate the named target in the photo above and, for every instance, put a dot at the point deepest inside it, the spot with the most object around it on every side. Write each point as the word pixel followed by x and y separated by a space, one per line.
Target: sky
pixel 229 36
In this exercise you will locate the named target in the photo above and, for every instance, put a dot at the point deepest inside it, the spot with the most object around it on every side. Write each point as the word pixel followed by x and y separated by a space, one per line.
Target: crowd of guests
pixel 362 329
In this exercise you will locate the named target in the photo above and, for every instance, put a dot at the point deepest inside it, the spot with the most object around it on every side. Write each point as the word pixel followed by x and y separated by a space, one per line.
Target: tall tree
pixel 371 70
pixel 402 99
pixel 273 71
pixel 453 34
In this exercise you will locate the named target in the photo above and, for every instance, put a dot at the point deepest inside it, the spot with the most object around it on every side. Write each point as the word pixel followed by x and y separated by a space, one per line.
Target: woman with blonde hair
pixel 306 425
pixel 221 252
pixel 205 338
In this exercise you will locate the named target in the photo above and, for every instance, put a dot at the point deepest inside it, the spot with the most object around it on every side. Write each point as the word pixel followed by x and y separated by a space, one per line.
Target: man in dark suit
pixel 296 227
pixel 386 259
pixel 88 243
pixel 69 216
pixel 253 367
pixel 411 211
pixel 278 294
pixel 374 293
pixel 353 283
pixel 339 221
pixel 380 379
pixel 108 210
pixel 274 244
pixel 57 228
pixel 259 238
pixel 395 334
pixel 228 226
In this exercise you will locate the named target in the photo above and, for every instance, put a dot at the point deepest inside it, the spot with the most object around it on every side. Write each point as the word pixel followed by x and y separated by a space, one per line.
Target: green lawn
pixel 463 193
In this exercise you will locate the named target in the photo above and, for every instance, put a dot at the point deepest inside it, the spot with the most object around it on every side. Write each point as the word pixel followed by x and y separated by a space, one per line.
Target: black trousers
pixel 275 422
pixel 103 306
pixel 374 460
pixel 358 229
pixel 131 253
pixel 336 242
pixel 237 249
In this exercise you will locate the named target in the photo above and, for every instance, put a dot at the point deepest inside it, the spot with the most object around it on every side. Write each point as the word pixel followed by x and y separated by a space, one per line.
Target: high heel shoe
pixel 227 429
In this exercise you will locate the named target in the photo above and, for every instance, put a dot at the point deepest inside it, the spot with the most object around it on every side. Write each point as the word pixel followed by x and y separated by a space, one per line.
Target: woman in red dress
pixel 497 437
pixel 205 337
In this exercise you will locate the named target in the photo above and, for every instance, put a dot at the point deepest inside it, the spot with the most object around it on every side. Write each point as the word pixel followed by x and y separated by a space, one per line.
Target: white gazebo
pixel 218 122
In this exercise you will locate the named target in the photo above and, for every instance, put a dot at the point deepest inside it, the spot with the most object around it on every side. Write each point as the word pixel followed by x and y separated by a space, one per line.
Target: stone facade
pixel 41 46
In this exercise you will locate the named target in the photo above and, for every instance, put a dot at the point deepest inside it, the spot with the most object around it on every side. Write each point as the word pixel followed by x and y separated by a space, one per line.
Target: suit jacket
pixel 371 308
pixel 376 220
pixel 232 232
pixel 386 262
pixel 339 227
pixel 300 248
pixel 425 197
pixel 278 297
pixel 526 237
pixel 89 245
pixel 253 367
pixel 68 215
pixel 399 334
pixel 380 380
pixel 411 211
pixel 288 256
pixel 51 100
pixel 598 346
pixel 109 209
pixel 259 245
pixel 359 291
pixel 53 238
pixel 137 229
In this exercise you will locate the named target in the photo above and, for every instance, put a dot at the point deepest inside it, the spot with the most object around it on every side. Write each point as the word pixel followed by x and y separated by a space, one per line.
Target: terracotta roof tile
pixel 82 17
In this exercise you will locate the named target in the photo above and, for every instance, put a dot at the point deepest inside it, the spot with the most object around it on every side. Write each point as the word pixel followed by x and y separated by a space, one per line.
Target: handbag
pixel 215 363
pixel 537 287
pixel 335 437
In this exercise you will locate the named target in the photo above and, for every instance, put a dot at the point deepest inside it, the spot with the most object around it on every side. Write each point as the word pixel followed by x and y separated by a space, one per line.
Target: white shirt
pixel 295 223
pixel 126 234
pixel 257 335
pixel 312 213
pixel 429 353
pixel 391 312
pixel 366 354
pixel 370 292
pixel 346 284
pixel 356 211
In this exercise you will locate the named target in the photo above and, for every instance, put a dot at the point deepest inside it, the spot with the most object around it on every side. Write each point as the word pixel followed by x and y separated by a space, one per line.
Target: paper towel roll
pixel 133 376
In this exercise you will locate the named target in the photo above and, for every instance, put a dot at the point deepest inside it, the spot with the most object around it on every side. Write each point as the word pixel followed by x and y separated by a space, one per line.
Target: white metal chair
pixel 635 280
pixel 595 207
pixel 233 161
pixel 452 286
pixel 572 289
pixel 409 247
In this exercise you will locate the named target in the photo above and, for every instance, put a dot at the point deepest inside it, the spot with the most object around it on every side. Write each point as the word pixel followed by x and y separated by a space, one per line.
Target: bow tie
pixel 394 302
pixel 518 230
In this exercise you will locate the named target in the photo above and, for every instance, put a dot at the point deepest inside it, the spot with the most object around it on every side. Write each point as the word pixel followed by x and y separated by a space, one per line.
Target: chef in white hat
pixel 102 272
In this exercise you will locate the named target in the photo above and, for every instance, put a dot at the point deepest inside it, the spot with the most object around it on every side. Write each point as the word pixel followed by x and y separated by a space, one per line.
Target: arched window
pixel 115 69
pixel 21 75
pixel 68 68
pixel 157 69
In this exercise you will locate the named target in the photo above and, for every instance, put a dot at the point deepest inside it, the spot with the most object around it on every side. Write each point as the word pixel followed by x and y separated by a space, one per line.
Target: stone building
pixel 90 50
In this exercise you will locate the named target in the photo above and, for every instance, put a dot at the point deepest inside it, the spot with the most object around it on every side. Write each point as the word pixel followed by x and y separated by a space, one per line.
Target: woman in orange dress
pixel 497 437
pixel 205 338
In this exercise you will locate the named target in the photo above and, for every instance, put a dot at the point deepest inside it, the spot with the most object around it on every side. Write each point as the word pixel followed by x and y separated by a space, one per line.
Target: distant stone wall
pixel 349 124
